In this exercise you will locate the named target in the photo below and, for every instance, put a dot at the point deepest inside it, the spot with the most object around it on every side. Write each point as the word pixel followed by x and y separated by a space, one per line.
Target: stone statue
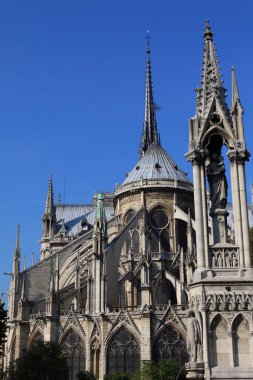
pixel 193 338
pixel 217 181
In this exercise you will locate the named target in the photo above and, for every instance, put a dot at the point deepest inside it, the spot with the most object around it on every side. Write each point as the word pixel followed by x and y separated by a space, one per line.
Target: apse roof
pixel 156 164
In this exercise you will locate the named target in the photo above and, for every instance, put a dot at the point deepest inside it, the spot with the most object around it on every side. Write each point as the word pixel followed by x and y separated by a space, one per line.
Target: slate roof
pixel 156 164
pixel 72 215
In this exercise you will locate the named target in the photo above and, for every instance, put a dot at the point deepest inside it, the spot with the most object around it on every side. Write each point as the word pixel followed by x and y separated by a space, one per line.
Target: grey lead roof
pixel 156 164
pixel 71 216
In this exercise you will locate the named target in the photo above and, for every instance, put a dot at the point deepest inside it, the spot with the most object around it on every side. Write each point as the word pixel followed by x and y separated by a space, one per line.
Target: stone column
pixel 146 344
pixel 205 344
pixel 199 222
pixel 205 217
pixel 231 348
pixel 236 207
pixel 244 214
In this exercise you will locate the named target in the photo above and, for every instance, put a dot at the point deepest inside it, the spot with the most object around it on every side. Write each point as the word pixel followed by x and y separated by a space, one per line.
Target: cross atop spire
pixel 150 133
pixel 49 209
pixel 211 78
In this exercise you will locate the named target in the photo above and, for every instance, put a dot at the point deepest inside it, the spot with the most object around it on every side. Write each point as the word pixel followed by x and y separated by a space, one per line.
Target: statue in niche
pixel 193 338
pixel 217 181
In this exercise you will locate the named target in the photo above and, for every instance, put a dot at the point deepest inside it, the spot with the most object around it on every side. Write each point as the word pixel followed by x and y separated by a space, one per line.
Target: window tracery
pixel 123 354
pixel 73 348
pixel 170 345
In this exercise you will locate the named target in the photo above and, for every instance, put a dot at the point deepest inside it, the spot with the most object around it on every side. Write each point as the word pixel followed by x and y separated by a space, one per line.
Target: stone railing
pixel 153 183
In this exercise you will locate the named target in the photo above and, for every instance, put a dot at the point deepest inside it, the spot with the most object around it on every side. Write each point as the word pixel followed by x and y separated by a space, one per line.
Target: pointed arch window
pixel 219 344
pixel 159 234
pixel 123 353
pixel 170 345
pixel 73 348
pixel 241 342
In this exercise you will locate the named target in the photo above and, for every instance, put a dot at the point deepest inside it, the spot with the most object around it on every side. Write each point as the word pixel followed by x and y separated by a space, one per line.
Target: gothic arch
pixel 130 213
pixel 160 205
pixel 37 335
pixel 123 351
pixel 116 328
pixel 176 326
pixel 66 331
pixel 170 343
pixel 164 291
pixel 219 342
pixel 73 346
pixel 241 341
pixel 160 225
pixel 217 131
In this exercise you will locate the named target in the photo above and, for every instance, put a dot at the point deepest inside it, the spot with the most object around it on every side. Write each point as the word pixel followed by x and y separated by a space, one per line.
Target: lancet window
pixel 159 234
pixel 123 353
pixel 170 345
pixel 73 348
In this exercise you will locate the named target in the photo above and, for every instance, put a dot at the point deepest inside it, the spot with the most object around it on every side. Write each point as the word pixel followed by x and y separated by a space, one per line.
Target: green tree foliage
pixel 117 376
pixel 85 375
pixel 3 327
pixel 43 361
pixel 163 370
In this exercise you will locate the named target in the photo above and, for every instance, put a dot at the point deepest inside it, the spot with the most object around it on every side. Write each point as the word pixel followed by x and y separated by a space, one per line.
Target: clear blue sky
pixel 72 77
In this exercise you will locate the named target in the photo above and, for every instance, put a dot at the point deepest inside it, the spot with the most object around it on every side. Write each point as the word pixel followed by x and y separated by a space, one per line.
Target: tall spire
pixel 211 78
pixel 17 253
pixel 150 133
pixel 235 93
pixel 49 209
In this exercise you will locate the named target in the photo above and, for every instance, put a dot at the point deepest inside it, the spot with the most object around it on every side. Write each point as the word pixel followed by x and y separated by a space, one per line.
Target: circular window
pixel 215 118
pixel 159 219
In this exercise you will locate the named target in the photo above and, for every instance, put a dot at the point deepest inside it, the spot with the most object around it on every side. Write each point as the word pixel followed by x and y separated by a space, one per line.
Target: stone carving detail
pixel 225 257
pixel 125 318
pixel 194 346
pixel 222 301
pixel 72 321
pixel 130 199
pixel 160 196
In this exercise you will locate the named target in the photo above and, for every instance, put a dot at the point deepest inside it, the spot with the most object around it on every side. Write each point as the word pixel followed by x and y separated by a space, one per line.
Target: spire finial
pixel 49 209
pixel 235 92
pixel 150 133
pixel 17 253
pixel 208 34
pixel 17 247
pixel 211 81
pixel 148 42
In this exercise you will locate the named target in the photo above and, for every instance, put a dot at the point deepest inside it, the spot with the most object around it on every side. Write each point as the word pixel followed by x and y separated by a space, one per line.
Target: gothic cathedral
pixel 161 267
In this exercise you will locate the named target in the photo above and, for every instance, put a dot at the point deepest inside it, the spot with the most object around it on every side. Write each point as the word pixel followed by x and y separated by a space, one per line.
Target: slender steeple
pixel 49 209
pixel 211 78
pixel 17 253
pixel 150 133
pixel 235 100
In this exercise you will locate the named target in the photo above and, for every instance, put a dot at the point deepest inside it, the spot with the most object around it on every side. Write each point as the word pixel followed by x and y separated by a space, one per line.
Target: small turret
pixel 17 253
pixel 100 226
pixel 48 220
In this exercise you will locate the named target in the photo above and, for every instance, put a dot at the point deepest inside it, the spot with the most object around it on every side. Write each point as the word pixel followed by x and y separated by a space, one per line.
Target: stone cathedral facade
pixel 118 277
